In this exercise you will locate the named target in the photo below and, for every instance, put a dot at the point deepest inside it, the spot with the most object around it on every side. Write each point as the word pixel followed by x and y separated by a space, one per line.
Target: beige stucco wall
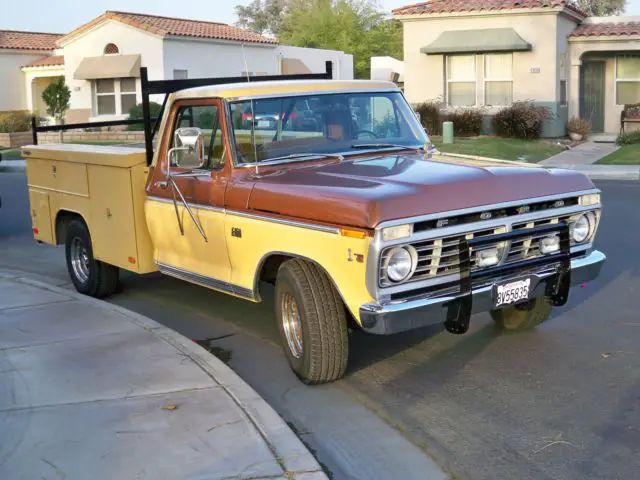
pixel 604 48
pixel 424 74
pixel 35 80
pixel 13 92
pixel 91 44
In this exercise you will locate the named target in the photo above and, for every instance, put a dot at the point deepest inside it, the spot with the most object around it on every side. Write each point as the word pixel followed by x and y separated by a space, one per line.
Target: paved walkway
pixel 586 153
pixel 90 390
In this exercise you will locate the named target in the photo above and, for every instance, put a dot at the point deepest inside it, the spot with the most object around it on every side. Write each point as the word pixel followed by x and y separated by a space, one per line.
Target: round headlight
pixel 580 229
pixel 400 264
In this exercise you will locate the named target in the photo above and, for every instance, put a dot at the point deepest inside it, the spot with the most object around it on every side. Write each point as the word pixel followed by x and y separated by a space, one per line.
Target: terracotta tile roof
pixel 47 62
pixel 17 40
pixel 177 27
pixel 449 6
pixel 607 29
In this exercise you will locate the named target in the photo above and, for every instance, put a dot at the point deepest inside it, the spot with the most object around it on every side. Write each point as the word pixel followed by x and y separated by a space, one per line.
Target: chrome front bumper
pixel 394 317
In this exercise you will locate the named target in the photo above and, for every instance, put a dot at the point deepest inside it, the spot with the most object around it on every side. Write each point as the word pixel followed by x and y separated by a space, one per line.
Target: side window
pixel 207 119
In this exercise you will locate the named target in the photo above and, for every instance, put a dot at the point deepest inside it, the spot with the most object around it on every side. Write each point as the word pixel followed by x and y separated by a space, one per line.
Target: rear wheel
pixel 522 317
pixel 90 276
pixel 312 322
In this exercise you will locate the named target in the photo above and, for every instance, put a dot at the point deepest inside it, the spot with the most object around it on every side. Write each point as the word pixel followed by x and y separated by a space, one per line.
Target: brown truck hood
pixel 365 192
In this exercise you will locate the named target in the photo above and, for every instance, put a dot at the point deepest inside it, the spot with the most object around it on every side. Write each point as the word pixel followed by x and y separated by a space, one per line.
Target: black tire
pixel 322 318
pixel 520 318
pixel 95 278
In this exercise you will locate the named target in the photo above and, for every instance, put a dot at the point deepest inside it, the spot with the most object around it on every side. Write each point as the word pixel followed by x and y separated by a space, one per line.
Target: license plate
pixel 264 123
pixel 512 292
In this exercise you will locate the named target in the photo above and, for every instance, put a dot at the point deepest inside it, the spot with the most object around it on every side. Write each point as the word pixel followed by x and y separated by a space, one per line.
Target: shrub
pixel 521 120
pixel 430 116
pixel 578 125
pixel 628 138
pixel 57 97
pixel 467 122
pixel 136 113
pixel 17 121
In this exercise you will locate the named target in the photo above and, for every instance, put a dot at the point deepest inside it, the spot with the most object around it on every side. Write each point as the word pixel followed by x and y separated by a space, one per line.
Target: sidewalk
pixel 586 153
pixel 91 390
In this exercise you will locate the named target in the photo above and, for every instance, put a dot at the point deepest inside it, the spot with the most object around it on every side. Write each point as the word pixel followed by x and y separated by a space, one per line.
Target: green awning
pixel 477 41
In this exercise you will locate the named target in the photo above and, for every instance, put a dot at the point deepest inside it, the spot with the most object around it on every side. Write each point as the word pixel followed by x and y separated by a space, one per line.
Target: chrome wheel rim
pixel 79 260
pixel 292 324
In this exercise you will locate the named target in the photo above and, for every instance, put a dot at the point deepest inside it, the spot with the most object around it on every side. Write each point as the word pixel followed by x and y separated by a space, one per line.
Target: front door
pixel 191 248
pixel 592 94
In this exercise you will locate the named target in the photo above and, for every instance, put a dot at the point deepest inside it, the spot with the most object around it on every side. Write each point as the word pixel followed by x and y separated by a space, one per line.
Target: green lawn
pixel 625 155
pixel 13 154
pixel 502 148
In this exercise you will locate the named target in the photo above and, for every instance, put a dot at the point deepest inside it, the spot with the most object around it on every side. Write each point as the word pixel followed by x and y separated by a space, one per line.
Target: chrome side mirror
pixel 188 150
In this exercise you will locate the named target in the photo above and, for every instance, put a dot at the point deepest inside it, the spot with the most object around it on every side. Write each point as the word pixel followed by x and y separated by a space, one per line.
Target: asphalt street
pixel 561 402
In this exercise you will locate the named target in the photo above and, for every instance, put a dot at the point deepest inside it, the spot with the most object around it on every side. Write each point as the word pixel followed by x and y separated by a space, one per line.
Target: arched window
pixel 111 49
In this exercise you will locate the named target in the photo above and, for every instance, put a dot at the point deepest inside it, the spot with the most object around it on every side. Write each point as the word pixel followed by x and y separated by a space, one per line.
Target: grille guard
pixel 459 312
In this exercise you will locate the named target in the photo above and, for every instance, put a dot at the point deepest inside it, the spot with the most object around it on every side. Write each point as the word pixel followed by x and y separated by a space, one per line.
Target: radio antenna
pixel 253 115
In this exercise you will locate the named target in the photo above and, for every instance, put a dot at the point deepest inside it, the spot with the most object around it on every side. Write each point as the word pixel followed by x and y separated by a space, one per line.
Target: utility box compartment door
pixel 113 232
pixel 40 216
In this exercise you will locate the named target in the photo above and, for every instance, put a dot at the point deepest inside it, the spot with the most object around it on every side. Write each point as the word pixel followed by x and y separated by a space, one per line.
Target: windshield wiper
pixel 384 145
pixel 298 156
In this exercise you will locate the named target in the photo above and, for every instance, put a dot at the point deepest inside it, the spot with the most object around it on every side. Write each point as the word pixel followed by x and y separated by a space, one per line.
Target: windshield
pixel 271 128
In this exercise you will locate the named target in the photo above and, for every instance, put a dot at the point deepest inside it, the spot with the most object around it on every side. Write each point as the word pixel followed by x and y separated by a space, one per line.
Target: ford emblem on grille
pixel 443 222
pixel 558 203
pixel 524 209
pixel 485 215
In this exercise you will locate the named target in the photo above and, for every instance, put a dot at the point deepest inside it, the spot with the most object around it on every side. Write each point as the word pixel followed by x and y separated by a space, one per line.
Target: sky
pixel 62 16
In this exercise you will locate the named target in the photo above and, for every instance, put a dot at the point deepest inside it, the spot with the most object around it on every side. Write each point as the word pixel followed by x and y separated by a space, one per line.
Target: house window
pixel 115 96
pixel 111 49
pixel 498 79
pixel 627 80
pixel 461 80
pixel 180 74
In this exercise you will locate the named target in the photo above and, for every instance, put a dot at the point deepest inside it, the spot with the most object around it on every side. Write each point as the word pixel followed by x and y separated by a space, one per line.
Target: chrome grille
pixel 529 247
pixel 440 257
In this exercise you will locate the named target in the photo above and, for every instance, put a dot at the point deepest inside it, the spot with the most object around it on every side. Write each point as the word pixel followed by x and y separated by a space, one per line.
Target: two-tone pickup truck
pixel 331 191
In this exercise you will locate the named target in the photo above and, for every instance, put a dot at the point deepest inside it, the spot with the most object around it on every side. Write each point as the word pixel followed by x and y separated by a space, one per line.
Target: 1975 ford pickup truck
pixel 328 189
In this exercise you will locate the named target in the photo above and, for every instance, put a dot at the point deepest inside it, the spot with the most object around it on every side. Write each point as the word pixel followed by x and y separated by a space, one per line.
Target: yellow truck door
pixel 180 249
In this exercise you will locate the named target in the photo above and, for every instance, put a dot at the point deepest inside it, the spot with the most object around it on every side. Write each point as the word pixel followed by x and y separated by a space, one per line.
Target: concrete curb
pixel 285 446
pixel 595 172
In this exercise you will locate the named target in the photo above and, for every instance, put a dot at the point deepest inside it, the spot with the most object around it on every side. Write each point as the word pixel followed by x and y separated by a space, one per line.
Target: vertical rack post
pixel 146 115
pixel 34 130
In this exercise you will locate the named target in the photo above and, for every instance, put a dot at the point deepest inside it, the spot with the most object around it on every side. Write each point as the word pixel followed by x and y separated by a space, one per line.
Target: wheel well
pixel 62 223
pixel 269 271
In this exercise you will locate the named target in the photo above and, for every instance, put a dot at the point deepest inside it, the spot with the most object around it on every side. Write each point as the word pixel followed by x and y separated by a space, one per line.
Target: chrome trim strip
pixel 282 221
pixel 191 205
pixel 495 206
pixel 205 281
pixel 38 187
pixel 290 223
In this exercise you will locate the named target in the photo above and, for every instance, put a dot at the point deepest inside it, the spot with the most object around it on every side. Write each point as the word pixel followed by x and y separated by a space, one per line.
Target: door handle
pixel 161 185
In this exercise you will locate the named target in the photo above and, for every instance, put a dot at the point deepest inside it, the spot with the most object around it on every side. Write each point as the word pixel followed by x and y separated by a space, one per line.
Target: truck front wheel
pixel 89 276
pixel 522 317
pixel 312 322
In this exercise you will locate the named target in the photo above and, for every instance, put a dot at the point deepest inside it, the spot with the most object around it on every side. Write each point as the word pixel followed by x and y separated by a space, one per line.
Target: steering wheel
pixel 366 131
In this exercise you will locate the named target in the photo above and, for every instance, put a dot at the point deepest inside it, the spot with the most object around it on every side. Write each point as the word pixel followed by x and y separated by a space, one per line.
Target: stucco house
pixel 101 60
pixel 490 53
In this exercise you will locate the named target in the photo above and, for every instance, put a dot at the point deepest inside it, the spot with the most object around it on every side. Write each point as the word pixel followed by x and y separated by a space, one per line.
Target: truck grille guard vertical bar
pixel 557 293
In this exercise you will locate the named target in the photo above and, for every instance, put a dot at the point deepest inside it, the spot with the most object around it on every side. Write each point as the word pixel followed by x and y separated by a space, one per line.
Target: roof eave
pixel 482 13
pixel 188 38
pixel 603 38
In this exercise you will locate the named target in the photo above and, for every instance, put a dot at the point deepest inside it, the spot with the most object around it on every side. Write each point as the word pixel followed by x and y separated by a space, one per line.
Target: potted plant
pixel 578 129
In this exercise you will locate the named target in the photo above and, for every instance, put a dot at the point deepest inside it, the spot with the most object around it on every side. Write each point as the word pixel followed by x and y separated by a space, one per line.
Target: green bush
pixel 16 121
pixel 521 120
pixel 136 113
pixel 467 122
pixel 628 138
